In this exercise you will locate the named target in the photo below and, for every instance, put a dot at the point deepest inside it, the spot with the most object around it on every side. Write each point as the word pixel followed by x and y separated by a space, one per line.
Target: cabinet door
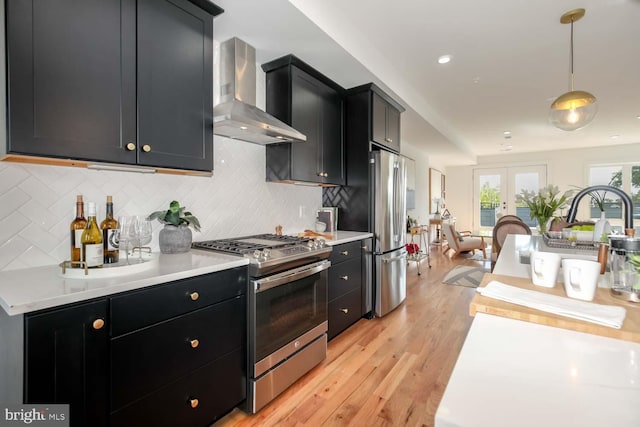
pixel 71 68
pixel 332 159
pixel 378 119
pixel 66 361
pixel 306 116
pixel 393 128
pixel 175 78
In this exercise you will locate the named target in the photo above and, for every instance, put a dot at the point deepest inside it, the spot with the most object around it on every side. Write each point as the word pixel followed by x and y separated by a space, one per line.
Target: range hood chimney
pixel 236 116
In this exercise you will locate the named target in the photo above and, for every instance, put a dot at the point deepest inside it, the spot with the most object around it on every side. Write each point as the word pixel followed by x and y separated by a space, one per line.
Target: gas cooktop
pixel 270 252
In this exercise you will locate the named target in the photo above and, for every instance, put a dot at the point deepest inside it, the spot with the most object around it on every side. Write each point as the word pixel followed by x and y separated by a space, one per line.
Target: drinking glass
pixel 124 235
pixel 143 233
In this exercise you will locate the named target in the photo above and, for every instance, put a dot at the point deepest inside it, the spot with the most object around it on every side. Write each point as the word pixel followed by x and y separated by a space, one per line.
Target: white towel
pixel 606 315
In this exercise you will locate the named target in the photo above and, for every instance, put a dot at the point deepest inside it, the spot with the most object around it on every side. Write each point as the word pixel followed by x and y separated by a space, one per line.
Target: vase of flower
pixel 543 204
pixel 602 228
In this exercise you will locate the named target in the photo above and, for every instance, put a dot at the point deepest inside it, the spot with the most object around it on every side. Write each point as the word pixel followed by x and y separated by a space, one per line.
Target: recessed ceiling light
pixel 243 128
pixel 506 132
pixel 615 136
pixel 476 80
pixel 444 59
pixel 638 117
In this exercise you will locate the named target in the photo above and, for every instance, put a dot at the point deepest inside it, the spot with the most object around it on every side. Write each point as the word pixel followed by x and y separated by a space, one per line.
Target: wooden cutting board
pixel 630 330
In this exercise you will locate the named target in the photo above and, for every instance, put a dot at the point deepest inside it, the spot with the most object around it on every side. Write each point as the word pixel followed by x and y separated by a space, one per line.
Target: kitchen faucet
pixel 626 200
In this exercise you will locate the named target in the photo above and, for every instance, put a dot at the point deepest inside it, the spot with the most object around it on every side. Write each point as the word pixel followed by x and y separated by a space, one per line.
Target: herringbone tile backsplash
pixel 37 203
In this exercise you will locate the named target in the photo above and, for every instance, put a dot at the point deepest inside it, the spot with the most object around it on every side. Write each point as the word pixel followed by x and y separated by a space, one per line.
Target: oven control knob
pixel 266 253
pixel 321 243
pixel 257 254
pixel 311 244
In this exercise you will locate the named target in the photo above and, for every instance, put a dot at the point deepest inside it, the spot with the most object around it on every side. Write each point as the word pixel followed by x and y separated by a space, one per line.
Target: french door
pixel 495 191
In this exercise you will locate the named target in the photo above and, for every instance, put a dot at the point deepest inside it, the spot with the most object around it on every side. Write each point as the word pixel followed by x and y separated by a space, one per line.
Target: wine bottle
pixel 77 227
pixel 92 250
pixel 109 228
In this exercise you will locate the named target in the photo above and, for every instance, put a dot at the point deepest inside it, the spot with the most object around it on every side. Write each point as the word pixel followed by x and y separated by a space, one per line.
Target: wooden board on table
pixel 630 330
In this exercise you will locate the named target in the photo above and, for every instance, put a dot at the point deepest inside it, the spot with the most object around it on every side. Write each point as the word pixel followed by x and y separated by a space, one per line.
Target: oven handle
pixel 289 276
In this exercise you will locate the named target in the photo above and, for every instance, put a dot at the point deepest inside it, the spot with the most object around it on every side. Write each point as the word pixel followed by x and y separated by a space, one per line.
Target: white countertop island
pixel 515 373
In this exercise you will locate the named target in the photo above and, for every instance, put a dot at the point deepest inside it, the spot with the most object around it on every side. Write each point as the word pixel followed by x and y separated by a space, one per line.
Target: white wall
pixel 565 168
pixel 37 203
pixel 421 182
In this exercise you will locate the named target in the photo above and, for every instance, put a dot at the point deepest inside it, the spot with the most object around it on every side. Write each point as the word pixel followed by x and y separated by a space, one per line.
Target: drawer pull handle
pixel 131 146
pixel 146 148
pixel 98 324
pixel 194 296
pixel 344 277
pixel 345 310
pixel 194 343
pixel 345 253
pixel 194 403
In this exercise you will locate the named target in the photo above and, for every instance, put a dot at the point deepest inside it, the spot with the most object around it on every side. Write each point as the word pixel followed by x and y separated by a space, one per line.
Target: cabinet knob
pixel 344 277
pixel 146 148
pixel 98 324
pixel 388 139
pixel 131 146
pixel 193 402
pixel 194 296
pixel 194 343
pixel 345 253
pixel 344 310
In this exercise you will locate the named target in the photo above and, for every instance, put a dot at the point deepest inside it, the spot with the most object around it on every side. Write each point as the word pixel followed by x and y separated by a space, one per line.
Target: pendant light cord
pixel 571 54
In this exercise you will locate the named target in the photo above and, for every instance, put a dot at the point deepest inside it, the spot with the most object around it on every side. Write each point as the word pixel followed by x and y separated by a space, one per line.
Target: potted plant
pixel 176 236
pixel 543 204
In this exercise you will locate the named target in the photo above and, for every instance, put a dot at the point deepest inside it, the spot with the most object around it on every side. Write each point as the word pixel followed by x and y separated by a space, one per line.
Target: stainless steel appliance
pixel 236 116
pixel 287 309
pixel 388 218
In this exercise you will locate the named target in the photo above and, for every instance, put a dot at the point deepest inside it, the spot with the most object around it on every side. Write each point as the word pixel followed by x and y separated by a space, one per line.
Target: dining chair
pixel 500 232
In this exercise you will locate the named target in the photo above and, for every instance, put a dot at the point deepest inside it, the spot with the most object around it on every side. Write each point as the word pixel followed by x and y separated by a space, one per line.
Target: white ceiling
pixel 510 60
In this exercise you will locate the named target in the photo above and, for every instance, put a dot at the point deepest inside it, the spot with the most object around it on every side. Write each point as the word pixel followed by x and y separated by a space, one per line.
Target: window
pixel 624 177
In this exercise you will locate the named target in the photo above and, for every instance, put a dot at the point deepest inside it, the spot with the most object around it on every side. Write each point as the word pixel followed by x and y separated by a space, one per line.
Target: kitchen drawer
pixel 344 311
pixel 138 309
pixel 344 277
pixel 145 360
pixel 345 252
pixel 218 388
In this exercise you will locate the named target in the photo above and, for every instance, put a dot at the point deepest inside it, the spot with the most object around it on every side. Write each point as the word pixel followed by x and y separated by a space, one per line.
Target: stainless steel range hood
pixel 236 116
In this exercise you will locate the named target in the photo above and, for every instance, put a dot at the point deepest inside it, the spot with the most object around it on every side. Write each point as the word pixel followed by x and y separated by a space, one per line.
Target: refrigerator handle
pixel 396 194
pixel 394 259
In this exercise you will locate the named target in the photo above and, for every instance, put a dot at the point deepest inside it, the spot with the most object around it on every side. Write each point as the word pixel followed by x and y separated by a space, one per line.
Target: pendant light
pixel 575 109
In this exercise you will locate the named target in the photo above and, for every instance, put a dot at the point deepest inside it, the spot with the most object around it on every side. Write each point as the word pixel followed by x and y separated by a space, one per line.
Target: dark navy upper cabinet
pixel 302 97
pixel 121 81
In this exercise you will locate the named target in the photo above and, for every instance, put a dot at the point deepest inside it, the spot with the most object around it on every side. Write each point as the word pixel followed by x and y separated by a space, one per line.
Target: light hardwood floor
pixel 389 371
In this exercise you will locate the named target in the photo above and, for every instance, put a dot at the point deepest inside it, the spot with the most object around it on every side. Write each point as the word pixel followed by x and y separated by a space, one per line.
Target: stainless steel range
pixel 287 309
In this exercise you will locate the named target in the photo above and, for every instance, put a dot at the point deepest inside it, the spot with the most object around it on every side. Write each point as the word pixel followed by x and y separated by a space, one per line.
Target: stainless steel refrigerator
pixel 389 213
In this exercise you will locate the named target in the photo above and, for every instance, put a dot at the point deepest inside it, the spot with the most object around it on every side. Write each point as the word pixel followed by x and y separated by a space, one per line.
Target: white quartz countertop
pixel 513 373
pixel 26 290
pixel 340 237
pixel 32 289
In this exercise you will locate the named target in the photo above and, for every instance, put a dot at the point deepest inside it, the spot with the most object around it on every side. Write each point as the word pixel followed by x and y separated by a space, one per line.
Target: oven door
pixel 285 306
